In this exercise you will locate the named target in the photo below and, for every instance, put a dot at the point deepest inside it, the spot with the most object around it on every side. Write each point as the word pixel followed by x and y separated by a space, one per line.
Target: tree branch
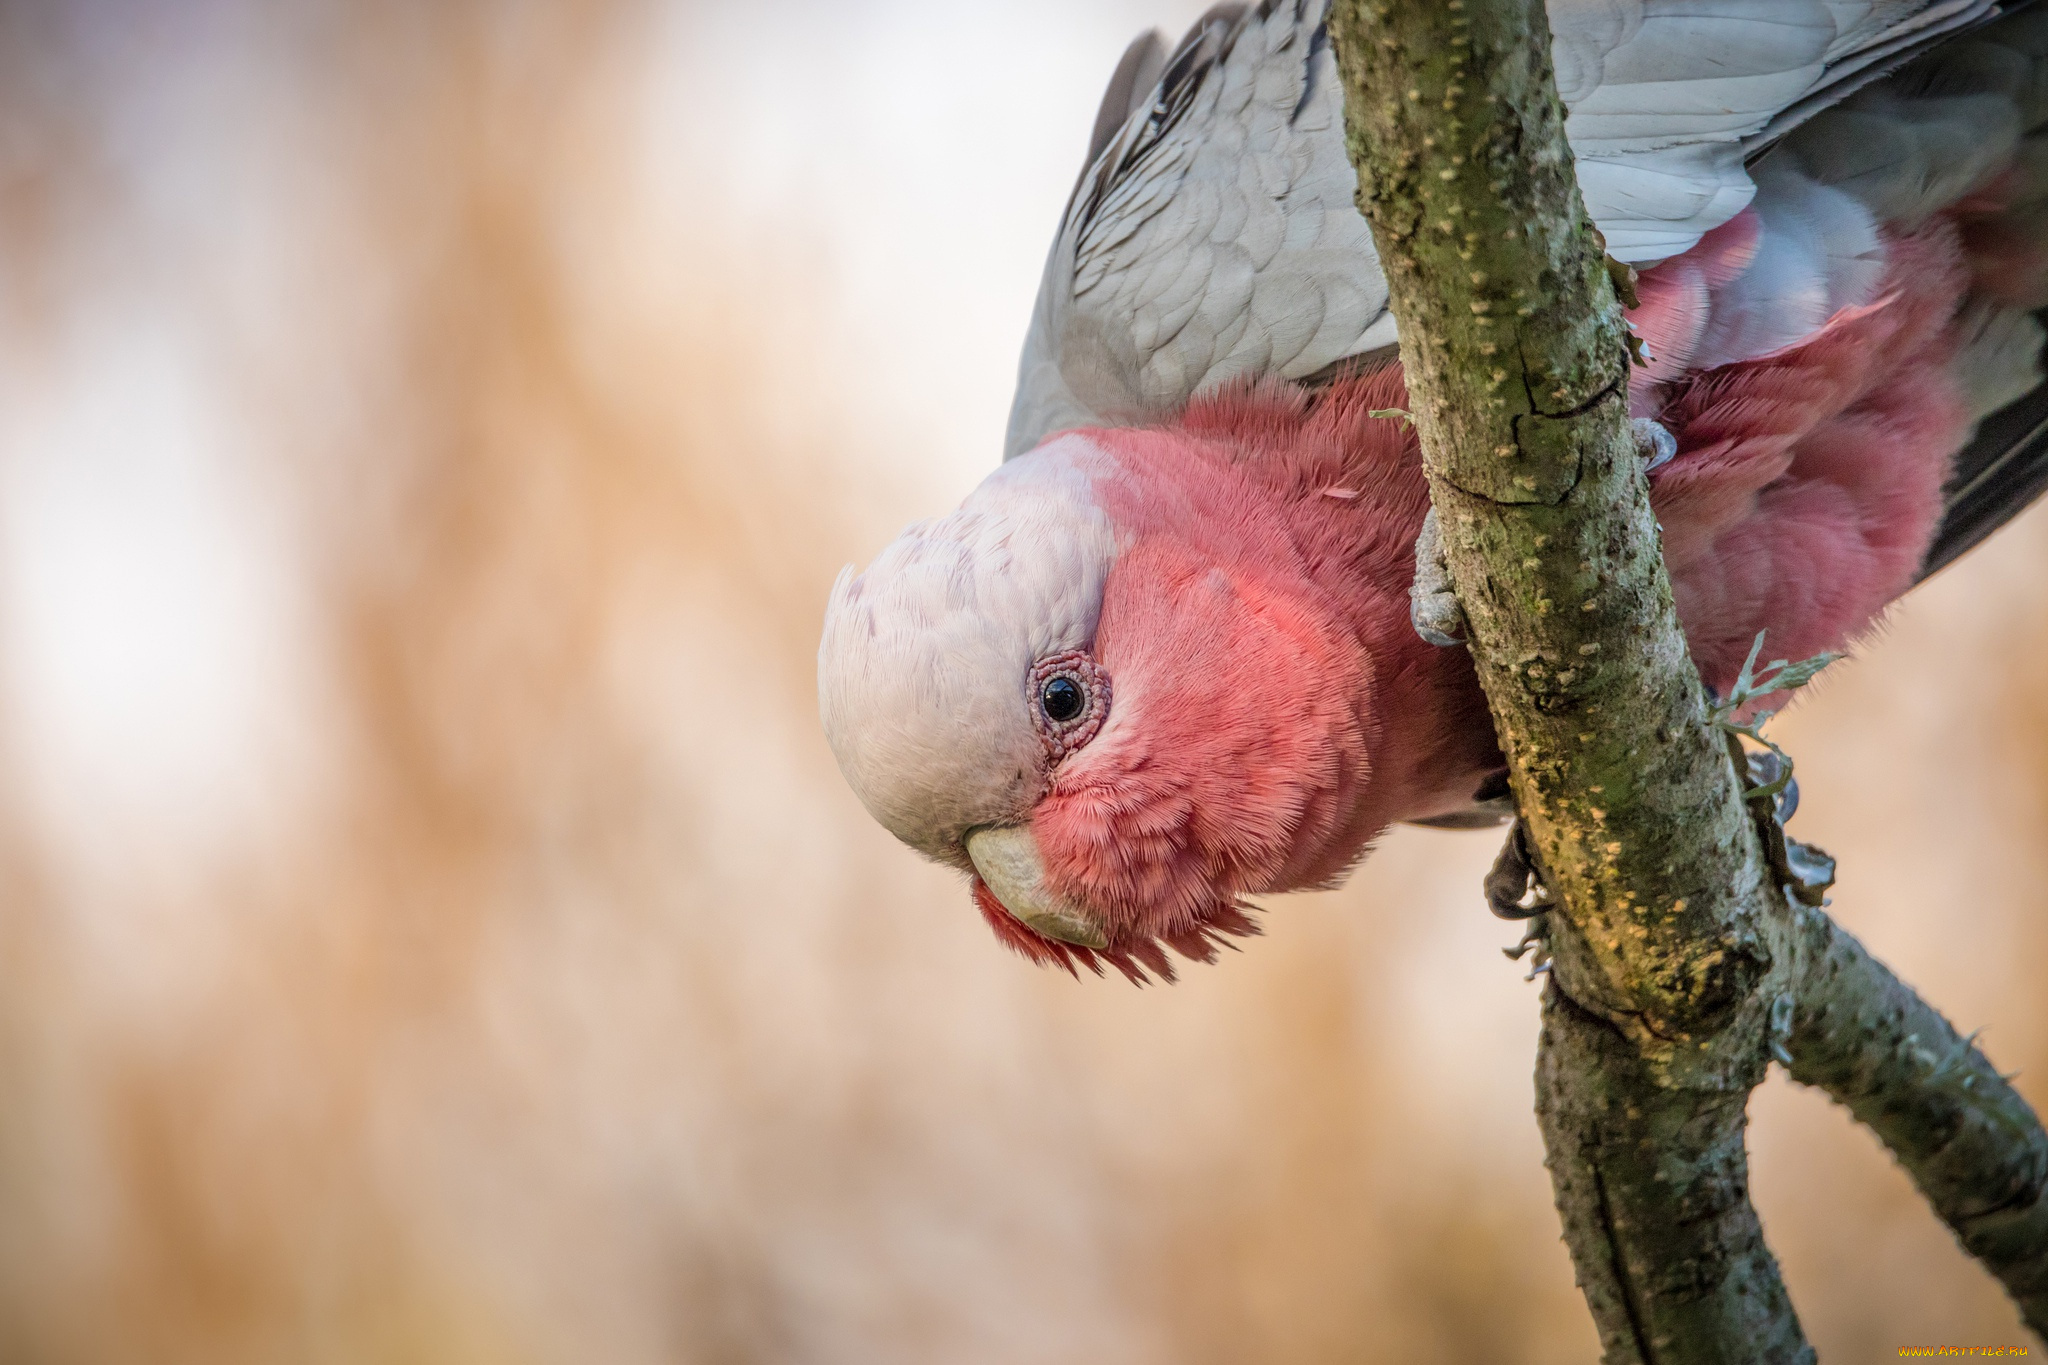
pixel 1652 1182
pixel 1680 964
pixel 1512 342
pixel 1972 1145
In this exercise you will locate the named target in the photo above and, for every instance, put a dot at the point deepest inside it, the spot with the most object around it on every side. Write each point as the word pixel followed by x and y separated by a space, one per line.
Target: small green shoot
pixel 1779 675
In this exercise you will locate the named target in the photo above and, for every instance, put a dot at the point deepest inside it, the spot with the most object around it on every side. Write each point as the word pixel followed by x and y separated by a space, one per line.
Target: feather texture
pixel 1213 235
pixel 1842 213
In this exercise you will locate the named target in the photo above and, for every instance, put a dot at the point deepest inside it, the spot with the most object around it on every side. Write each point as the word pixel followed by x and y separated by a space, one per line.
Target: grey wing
pixel 1213 234
pixel 1670 100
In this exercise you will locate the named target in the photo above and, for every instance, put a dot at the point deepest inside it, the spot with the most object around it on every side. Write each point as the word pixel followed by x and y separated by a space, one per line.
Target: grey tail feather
pixel 1997 476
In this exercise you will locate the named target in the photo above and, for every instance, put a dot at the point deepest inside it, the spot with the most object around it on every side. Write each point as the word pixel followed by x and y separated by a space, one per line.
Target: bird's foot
pixel 1433 608
pixel 1654 442
pixel 1802 869
pixel 1535 945
pixel 1514 888
pixel 1766 767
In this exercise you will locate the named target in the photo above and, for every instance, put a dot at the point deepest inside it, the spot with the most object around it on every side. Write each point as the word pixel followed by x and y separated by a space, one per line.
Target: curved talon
pixel 1654 442
pixel 1533 936
pixel 1765 769
pixel 1802 869
pixel 1514 888
pixel 1436 618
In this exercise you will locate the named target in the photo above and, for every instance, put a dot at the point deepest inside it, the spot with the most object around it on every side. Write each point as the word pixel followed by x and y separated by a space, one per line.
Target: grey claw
pixel 1514 888
pixel 1654 442
pixel 1433 608
pixel 1805 871
pixel 1431 634
pixel 1765 768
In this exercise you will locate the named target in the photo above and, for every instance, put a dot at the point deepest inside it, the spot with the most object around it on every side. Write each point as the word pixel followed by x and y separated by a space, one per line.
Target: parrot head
pixel 1120 709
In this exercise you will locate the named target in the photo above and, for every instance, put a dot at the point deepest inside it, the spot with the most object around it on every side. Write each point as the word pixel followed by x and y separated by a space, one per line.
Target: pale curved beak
pixel 1007 859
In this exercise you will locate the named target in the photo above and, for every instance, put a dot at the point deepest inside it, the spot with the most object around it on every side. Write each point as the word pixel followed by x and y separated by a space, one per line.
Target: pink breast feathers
pixel 1808 481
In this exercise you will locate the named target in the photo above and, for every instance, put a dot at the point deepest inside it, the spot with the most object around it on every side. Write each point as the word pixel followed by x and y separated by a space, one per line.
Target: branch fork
pixel 1688 948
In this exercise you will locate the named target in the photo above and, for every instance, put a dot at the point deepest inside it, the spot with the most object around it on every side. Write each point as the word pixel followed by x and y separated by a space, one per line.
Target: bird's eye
pixel 1062 699
pixel 1069 700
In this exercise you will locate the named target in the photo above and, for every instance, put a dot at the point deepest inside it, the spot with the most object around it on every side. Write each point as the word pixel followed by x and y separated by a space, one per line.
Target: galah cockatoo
pixel 1163 657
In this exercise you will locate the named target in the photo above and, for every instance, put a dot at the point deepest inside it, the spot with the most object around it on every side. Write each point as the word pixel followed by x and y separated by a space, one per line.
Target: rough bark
pixel 1652 1183
pixel 1680 965
pixel 1972 1145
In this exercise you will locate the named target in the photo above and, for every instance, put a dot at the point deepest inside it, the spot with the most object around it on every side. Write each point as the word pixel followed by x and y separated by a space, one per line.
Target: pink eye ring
pixel 1069 698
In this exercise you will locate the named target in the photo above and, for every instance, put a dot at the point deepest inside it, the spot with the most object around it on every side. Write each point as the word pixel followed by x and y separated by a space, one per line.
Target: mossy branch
pixel 1680 963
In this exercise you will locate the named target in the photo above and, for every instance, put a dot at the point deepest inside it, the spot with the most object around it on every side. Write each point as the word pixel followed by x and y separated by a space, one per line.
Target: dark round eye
pixel 1062 699
pixel 1068 696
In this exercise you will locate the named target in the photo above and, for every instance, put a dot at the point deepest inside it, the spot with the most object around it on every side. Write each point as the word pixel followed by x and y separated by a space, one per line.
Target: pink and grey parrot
pixel 1172 652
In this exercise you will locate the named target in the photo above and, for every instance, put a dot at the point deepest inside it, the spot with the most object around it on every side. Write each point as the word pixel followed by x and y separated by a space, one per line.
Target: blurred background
pixel 432 928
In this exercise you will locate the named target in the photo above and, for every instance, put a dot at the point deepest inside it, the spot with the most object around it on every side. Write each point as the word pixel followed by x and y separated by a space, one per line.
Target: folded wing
pixel 1214 234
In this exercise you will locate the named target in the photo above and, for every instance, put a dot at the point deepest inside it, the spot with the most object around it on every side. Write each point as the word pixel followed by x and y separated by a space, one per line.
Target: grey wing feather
pixel 1213 234
pixel 1130 88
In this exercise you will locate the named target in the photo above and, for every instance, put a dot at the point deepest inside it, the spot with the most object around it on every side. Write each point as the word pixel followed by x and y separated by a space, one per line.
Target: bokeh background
pixel 432 928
